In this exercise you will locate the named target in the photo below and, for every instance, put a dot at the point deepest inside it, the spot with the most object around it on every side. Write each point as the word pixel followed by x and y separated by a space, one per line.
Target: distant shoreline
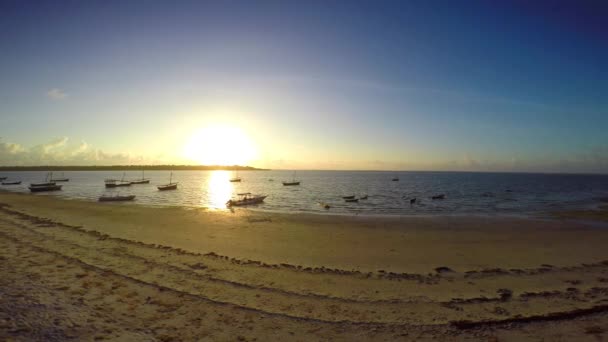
pixel 130 168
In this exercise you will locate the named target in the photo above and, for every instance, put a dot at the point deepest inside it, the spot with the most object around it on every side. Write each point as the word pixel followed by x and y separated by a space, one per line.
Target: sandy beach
pixel 75 270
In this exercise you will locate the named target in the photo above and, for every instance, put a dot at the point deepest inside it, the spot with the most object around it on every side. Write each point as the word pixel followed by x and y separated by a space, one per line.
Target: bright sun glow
pixel 220 145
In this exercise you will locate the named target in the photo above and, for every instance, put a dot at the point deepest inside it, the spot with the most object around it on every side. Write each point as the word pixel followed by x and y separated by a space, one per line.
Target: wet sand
pixel 89 271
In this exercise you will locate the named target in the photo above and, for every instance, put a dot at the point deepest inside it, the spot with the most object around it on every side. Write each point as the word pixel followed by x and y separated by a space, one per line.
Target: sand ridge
pixel 311 302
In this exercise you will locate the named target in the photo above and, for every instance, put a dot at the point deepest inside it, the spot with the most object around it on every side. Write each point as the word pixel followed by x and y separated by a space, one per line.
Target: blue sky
pixel 439 85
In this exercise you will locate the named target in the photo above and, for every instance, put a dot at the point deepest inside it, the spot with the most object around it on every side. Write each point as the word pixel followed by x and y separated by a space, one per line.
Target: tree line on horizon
pixel 129 168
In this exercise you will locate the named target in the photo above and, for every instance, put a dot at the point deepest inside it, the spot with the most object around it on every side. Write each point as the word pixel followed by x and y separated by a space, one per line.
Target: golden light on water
pixel 219 190
pixel 220 145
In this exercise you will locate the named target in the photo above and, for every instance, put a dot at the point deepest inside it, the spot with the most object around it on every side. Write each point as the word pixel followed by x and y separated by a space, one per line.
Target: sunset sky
pixel 368 85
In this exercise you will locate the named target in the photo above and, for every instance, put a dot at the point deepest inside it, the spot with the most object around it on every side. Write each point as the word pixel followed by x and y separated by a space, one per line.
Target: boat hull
pixel 143 181
pixel 60 180
pixel 167 187
pixel 44 188
pixel 291 183
pixel 11 183
pixel 117 185
pixel 244 202
pixel 116 198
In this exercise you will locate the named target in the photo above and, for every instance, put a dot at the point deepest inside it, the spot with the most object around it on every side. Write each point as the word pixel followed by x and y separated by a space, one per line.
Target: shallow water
pixel 466 193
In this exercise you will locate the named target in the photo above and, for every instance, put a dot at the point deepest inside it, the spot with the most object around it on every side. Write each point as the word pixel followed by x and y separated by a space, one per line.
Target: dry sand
pixel 88 271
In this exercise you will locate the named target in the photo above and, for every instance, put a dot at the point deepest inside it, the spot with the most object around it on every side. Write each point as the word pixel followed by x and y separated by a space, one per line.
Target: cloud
pixel 59 151
pixel 56 94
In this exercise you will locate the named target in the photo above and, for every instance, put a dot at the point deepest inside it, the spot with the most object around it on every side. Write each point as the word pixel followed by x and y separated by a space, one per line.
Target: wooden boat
pixel 236 178
pixel 169 186
pixel 60 179
pixel 11 183
pixel 350 200
pixel 115 183
pixel 245 199
pixel 348 197
pixel 293 181
pixel 46 181
pixel 116 198
pixel 41 188
pixel 436 197
pixel 142 180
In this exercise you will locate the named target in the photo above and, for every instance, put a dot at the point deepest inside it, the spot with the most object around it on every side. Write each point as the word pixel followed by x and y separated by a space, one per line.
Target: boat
pixel 41 188
pixel 60 179
pixel 168 186
pixel 441 196
pixel 2 178
pixel 116 198
pixel 46 181
pixel 395 179
pixel 11 183
pixel 350 200
pixel 142 180
pixel 364 197
pixel 245 199
pixel 114 183
pixel 348 197
pixel 236 177
pixel 293 181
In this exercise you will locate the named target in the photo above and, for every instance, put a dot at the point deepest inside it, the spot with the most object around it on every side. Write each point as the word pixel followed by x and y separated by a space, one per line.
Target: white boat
pixel 168 186
pixel 245 199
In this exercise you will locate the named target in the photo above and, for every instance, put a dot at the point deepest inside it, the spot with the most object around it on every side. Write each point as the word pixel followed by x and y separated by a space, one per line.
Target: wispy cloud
pixel 56 94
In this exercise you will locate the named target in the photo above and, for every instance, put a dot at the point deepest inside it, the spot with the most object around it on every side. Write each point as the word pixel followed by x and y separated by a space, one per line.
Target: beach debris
pixel 438 197
pixel 443 269
pixel 505 294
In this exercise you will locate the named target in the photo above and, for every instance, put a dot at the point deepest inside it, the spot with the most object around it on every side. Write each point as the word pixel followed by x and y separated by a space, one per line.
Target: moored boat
pixel 60 179
pixel 46 181
pixel 41 188
pixel 292 182
pixel 245 199
pixel 11 183
pixel 114 183
pixel 348 197
pixel 350 200
pixel 395 179
pixel 141 180
pixel 168 186
pixel 116 198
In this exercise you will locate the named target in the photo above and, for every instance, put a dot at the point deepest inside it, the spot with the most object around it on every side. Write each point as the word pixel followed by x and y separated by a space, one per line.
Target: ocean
pixel 465 193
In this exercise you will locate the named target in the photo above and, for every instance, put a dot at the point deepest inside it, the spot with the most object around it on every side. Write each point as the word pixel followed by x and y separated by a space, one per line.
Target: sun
pixel 220 145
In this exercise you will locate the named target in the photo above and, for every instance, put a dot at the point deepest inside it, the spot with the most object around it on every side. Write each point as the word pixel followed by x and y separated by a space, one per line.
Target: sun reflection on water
pixel 219 190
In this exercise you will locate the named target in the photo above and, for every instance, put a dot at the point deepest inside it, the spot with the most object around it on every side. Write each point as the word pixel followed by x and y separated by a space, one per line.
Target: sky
pixel 366 85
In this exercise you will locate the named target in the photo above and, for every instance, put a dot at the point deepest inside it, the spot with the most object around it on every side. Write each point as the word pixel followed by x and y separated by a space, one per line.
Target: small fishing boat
pixel 395 179
pixel 46 181
pixel 168 186
pixel 116 198
pixel 245 199
pixel 11 183
pixel 293 181
pixel 437 197
pixel 348 197
pixel 236 178
pixel 364 197
pixel 41 188
pixel 350 200
pixel 60 179
pixel 142 180
pixel 115 183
